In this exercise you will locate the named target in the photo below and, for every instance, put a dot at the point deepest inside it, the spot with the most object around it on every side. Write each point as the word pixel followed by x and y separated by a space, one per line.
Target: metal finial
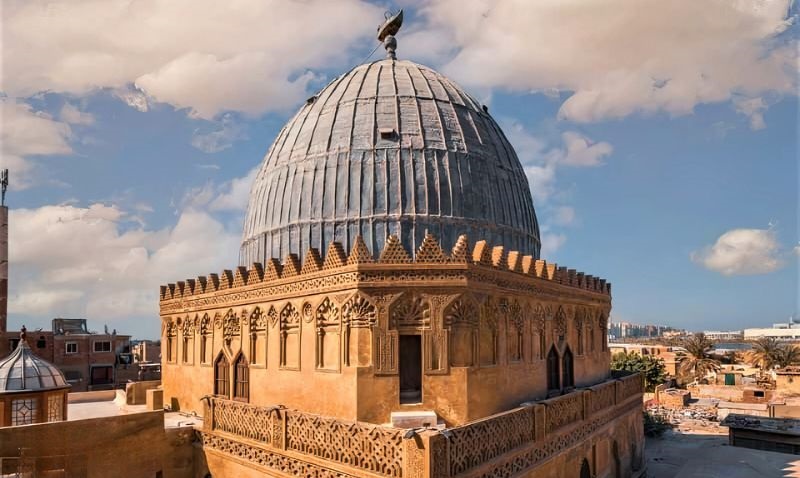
pixel 390 43
pixel 388 30
pixel 23 334
pixel 4 185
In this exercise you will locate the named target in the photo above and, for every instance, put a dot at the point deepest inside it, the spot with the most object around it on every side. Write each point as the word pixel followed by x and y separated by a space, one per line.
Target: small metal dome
pixel 391 147
pixel 24 371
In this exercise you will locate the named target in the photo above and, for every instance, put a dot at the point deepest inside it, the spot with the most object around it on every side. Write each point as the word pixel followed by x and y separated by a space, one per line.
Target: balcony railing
pixel 372 448
pixel 311 445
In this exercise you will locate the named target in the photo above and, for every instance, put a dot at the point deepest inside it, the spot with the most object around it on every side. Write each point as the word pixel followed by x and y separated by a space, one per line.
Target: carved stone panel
pixel 357 313
pixel 462 318
pixel 386 357
pixel 290 338
pixel 488 332
pixel 435 346
pixel 410 312
pixel 328 329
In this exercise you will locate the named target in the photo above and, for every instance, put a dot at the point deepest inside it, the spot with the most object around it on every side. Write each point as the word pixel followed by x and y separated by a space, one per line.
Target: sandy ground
pixel 699 449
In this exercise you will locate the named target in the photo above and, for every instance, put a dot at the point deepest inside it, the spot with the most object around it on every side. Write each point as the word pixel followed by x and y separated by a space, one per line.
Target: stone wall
pixel 136 392
pixel 732 393
pixel 787 383
pixel 133 445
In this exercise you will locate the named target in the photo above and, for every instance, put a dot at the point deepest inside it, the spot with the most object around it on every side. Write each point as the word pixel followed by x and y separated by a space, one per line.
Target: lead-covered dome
pixel 22 371
pixel 391 147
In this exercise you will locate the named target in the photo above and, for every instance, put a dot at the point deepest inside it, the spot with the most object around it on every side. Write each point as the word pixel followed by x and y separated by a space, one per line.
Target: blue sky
pixel 661 142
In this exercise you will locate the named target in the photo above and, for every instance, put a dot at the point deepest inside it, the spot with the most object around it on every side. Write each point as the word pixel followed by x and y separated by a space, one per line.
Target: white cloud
pixel 25 133
pixel 742 252
pixel 204 55
pixel 231 195
pixel 220 139
pixel 541 158
pixel 72 115
pixel 133 97
pixel 754 109
pixel 235 194
pixel 564 215
pixel 91 262
pixel 551 242
pixel 542 180
pixel 581 151
pixel 617 59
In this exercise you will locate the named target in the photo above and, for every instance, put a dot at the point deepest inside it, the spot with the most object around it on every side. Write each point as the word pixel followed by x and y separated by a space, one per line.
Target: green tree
pixel 697 361
pixel 766 353
pixel 788 355
pixel 651 368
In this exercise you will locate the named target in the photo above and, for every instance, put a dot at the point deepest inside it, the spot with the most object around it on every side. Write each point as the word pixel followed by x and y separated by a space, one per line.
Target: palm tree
pixel 788 355
pixel 697 361
pixel 766 353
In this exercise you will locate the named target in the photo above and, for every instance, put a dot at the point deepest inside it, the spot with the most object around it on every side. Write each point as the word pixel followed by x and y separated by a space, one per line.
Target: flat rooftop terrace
pixel 88 405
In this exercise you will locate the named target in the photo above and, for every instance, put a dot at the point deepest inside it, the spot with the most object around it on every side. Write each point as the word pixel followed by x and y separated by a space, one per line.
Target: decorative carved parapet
pixel 488 438
pixel 502 445
pixel 393 257
pixel 362 446
pixel 602 396
pixel 545 427
pixel 247 421
pixel 368 447
pixel 563 411
pixel 631 385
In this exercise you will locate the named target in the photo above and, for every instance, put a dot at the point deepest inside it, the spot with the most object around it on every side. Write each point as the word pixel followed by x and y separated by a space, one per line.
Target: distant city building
pixel 672 334
pixel 779 333
pixel 723 334
pixel 146 351
pixel 147 358
pixel 622 330
pixel 89 360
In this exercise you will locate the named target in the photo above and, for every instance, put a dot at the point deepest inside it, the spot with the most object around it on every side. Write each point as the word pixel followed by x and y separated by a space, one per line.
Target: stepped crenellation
pixel 430 252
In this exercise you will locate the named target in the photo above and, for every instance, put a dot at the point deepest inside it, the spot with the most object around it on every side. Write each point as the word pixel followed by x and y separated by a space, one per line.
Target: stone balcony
pixel 282 441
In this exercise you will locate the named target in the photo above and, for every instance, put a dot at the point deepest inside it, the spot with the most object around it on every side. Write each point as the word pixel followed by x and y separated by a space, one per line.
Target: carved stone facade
pixel 483 324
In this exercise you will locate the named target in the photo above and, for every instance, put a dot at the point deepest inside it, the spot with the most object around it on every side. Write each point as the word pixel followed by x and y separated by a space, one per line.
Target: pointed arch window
pixel 586 471
pixel 568 376
pixel 553 375
pixel 241 379
pixel 205 340
pixel 222 378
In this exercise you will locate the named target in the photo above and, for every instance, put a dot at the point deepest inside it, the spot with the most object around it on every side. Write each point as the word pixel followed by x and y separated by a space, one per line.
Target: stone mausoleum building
pixel 391 316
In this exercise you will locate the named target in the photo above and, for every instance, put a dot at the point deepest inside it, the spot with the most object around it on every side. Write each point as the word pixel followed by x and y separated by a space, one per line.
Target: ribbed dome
pixel 391 147
pixel 24 371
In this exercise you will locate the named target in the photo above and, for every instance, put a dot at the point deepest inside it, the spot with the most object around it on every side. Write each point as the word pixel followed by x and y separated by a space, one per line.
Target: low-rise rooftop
pixel 782 426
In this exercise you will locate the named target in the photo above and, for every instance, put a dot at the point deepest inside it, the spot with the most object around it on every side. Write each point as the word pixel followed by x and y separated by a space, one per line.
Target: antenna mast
pixel 4 185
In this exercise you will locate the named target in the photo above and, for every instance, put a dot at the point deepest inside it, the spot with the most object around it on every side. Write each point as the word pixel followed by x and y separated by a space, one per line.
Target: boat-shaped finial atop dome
pixel 388 30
